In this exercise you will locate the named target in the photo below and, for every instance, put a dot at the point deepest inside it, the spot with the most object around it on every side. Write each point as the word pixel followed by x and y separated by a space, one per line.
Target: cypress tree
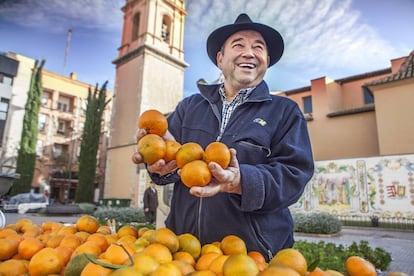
pixel 96 104
pixel 26 157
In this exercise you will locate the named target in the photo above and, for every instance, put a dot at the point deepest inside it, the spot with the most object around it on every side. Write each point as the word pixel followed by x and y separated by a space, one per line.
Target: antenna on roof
pixel 68 36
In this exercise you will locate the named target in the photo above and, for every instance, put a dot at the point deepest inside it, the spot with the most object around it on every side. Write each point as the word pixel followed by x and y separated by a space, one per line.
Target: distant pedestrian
pixel 150 203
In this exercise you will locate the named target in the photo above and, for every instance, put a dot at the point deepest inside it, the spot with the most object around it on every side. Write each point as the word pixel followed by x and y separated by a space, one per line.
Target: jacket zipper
pixel 199 217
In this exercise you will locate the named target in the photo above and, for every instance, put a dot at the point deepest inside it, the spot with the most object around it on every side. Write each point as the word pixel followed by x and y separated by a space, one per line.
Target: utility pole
pixel 68 37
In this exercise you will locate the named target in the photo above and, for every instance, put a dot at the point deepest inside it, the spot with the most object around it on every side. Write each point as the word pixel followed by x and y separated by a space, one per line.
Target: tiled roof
pixel 406 71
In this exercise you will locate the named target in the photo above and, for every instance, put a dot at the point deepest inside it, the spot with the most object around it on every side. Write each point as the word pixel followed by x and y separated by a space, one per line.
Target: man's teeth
pixel 248 65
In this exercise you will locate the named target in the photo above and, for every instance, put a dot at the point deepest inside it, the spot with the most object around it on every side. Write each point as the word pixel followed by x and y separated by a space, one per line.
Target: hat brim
pixel 273 39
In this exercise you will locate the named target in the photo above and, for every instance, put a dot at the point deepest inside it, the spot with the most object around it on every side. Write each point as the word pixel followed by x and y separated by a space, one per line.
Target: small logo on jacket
pixel 260 121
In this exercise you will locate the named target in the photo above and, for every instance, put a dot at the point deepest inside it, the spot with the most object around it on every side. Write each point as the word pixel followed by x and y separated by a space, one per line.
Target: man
pixel 271 153
pixel 150 203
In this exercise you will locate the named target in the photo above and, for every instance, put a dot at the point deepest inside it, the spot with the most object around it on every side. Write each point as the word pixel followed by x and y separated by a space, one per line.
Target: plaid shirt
pixel 229 107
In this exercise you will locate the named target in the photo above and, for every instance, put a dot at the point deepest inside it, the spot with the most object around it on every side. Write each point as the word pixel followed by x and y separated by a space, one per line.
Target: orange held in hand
pixel 152 148
pixel 195 173
pixel 188 152
pixel 171 150
pixel 153 121
pixel 218 152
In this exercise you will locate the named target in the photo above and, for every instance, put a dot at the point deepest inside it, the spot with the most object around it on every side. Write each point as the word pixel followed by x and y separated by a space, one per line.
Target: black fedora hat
pixel 273 39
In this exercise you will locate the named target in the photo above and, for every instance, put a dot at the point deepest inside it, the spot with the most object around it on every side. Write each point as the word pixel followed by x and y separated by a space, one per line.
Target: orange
pixel 67 229
pixel 4 233
pixel 104 229
pixel 32 231
pixel 127 230
pixel 205 260
pixel 8 248
pixel 159 252
pixel 184 256
pixel 183 266
pixel 167 269
pixel 126 271
pixel 87 223
pixel 95 269
pixel 142 230
pixel 171 150
pixel 13 268
pixel 29 246
pixel 188 152
pixel 209 247
pixel 218 152
pixel 100 239
pixel 145 263
pixel 202 273
pixel 166 237
pixel 357 266
pixel 232 244
pixel 189 243
pixel 259 259
pixel 22 223
pixel 153 121
pixel 278 271
pixel 54 240
pixel 119 253
pixel 71 241
pixel 337 273
pixel 317 272
pixel 292 258
pixel 45 262
pixel 152 148
pixel 240 265
pixel 65 252
pixel 195 173
pixel 217 264
pixel 82 235
pixel 90 247
pixel 127 239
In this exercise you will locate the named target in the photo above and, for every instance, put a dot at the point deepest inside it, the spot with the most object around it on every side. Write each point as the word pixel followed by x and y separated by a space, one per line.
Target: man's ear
pixel 219 59
pixel 268 61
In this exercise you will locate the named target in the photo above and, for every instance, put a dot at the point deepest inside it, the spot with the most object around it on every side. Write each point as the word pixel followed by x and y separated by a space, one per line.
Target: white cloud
pixel 58 15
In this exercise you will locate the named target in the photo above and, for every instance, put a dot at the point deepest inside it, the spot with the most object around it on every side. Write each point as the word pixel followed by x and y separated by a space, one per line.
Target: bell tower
pixel 149 75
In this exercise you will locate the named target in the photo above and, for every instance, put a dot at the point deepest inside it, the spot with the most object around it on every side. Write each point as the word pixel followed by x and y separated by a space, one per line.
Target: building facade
pixel 149 75
pixel 61 119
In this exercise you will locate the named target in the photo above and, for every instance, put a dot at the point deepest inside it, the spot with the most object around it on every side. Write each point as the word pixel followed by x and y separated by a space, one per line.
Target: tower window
pixel 135 26
pixel 368 97
pixel 166 29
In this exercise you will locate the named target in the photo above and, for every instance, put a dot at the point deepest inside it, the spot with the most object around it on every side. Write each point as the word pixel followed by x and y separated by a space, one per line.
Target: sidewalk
pixel 400 244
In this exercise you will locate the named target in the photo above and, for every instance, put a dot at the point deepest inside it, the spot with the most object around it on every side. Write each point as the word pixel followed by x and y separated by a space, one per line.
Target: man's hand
pixel 223 181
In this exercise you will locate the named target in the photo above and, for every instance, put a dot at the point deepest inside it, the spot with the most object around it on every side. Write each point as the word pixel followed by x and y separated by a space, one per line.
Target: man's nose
pixel 248 52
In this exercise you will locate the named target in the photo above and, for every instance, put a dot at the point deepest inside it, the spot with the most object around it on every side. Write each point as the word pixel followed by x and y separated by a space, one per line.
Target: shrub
pixel 333 256
pixel 318 223
pixel 87 208
pixel 122 215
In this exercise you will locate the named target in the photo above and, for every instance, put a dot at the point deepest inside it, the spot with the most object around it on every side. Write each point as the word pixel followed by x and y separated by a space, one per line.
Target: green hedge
pixel 317 223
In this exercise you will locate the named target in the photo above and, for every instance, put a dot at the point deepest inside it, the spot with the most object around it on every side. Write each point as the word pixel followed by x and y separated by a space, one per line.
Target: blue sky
pixel 333 38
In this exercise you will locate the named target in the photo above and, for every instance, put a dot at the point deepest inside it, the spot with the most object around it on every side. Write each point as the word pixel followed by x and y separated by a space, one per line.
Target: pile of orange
pixel 191 158
pixel 87 248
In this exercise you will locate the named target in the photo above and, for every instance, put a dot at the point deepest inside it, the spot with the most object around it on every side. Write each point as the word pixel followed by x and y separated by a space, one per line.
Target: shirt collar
pixel 243 93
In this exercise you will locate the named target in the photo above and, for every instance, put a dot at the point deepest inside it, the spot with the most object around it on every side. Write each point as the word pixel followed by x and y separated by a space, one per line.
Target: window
pixel 63 126
pixel 42 121
pixel 45 99
pixel 166 28
pixel 4 109
pixel 6 79
pixel 307 104
pixel 64 104
pixel 39 148
pixel 368 97
pixel 135 26
pixel 59 150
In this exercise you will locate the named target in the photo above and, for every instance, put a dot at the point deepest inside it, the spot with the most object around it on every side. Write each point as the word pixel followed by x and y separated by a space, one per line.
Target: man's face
pixel 244 59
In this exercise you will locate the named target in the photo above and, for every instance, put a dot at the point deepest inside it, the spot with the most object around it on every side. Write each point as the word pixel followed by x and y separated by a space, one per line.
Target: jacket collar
pixel 210 92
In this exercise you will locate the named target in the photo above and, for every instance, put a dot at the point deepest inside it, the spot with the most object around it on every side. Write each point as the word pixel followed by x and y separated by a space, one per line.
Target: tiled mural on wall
pixel 381 186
